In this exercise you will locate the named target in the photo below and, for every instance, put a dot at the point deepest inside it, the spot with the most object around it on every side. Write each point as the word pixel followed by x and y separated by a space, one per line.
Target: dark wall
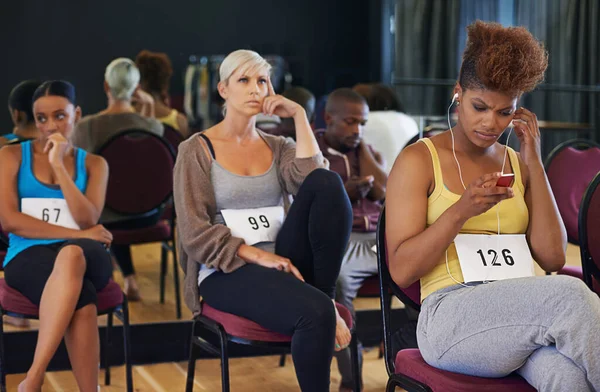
pixel 325 41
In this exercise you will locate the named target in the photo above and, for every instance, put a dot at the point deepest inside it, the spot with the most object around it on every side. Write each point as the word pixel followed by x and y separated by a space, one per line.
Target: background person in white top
pixel 389 129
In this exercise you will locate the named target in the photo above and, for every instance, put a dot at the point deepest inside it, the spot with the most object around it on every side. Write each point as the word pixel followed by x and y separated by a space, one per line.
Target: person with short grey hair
pixel 122 88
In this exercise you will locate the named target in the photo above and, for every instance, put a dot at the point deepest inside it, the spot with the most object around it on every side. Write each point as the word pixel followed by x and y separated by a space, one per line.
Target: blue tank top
pixel 29 186
pixel 10 136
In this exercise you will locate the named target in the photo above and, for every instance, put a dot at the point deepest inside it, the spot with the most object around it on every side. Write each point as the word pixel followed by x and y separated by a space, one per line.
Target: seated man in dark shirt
pixel 364 176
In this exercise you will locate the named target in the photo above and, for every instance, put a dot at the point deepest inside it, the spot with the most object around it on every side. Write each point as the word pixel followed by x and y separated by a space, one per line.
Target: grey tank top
pixel 236 192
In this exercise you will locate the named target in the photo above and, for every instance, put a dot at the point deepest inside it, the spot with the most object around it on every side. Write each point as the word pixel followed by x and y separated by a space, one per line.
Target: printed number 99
pixel 263 219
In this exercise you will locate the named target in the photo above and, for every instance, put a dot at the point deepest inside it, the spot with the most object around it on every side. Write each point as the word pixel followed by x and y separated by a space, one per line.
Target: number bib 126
pixel 255 225
pixel 493 257
pixel 53 211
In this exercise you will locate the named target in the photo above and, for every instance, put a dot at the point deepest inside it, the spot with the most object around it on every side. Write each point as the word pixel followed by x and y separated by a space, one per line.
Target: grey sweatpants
pixel 547 329
pixel 359 263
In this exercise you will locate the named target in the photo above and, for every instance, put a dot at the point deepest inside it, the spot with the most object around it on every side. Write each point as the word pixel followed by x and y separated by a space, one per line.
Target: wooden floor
pixel 247 374
pixel 261 374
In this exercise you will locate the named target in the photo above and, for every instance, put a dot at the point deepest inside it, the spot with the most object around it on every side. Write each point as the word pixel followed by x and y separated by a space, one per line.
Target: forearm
pixel 249 254
pixel 547 234
pixel 370 167
pixel 147 109
pixel 417 256
pixel 28 227
pixel 83 210
pixel 306 144
pixel 377 193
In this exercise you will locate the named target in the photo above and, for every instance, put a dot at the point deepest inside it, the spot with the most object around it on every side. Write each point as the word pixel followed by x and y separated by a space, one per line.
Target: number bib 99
pixel 493 257
pixel 255 225
pixel 54 211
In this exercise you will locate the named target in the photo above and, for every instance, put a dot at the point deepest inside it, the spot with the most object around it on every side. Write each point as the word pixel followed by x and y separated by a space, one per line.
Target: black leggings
pixel 30 269
pixel 314 237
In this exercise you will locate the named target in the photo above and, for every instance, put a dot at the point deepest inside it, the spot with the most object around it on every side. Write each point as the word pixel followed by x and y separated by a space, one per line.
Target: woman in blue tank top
pixel 50 201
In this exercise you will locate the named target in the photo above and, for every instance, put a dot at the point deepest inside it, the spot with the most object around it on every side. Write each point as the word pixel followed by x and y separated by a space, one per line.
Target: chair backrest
pixel 570 168
pixel 141 172
pixel 173 136
pixel 410 296
pixel 589 234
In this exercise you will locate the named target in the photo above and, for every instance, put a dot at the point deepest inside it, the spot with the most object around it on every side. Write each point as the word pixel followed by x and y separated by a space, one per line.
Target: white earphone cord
pixel 463 183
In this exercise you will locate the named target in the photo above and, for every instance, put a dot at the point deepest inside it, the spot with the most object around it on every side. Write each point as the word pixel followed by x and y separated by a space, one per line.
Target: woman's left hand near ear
pixel 528 132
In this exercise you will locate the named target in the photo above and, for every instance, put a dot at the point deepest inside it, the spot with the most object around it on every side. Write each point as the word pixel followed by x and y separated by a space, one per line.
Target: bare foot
pixel 17 321
pixel 342 333
pixel 25 387
pixel 131 289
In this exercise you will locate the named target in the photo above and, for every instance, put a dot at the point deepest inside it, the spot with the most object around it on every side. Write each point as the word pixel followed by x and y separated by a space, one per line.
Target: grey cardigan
pixel 198 240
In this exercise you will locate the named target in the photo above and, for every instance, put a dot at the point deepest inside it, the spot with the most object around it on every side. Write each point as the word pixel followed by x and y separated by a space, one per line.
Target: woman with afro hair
pixel 467 217
pixel 156 71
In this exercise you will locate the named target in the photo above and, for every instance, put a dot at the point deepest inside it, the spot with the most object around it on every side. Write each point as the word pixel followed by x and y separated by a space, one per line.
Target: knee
pixel 70 259
pixel 324 181
pixel 569 380
pixel 319 313
pixel 574 289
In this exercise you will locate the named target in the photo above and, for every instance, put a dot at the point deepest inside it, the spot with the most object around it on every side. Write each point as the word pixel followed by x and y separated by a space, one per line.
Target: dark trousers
pixel 30 269
pixel 314 237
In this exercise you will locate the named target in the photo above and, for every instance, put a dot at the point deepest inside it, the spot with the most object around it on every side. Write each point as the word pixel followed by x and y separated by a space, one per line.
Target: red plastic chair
pixel 408 369
pixel 589 235
pixel 570 167
pixel 141 184
pixel 111 301
pixel 232 328
pixel 173 136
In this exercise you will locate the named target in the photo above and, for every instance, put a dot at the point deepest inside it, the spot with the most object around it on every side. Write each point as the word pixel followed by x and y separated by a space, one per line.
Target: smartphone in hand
pixel 506 180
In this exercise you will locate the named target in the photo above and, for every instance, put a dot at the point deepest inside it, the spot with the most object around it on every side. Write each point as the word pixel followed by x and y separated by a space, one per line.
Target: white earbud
pixel 455 97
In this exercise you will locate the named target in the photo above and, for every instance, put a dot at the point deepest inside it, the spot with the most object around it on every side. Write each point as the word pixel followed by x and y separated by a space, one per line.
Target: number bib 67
pixel 54 211
pixel 255 225
pixel 493 257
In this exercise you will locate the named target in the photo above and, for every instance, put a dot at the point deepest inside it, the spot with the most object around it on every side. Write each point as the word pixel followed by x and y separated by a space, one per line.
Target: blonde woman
pixel 242 249
pixel 122 88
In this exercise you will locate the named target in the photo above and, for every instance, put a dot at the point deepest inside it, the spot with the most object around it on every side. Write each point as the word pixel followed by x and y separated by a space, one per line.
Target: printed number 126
pixel 506 255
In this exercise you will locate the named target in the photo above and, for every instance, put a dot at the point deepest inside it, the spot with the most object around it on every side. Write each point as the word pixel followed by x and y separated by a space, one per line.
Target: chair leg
pixel 163 271
pixel 355 362
pixel 224 362
pixel 2 363
pixel 107 350
pixel 176 280
pixel 391 386
pixel 282 360
pixel 191 372
pixel 127 345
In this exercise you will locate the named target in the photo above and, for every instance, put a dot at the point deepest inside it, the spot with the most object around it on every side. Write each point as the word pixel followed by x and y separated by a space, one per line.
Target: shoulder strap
pixel 437 167
pixel 516 167
pixel 209 144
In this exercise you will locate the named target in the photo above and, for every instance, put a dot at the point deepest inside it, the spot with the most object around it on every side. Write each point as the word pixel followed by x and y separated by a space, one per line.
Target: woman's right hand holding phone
pixel 481 195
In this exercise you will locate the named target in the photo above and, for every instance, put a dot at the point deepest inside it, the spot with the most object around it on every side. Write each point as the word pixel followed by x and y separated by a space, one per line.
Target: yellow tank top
pixel 514 219
pixel 170 120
